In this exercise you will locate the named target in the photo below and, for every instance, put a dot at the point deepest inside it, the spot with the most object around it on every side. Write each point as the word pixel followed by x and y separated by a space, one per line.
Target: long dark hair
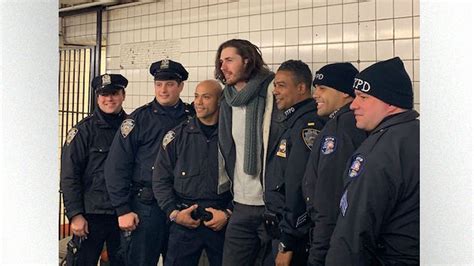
pixel 248 51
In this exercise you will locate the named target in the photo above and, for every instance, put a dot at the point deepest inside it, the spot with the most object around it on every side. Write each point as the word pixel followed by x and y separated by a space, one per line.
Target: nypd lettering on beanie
pixel 388 81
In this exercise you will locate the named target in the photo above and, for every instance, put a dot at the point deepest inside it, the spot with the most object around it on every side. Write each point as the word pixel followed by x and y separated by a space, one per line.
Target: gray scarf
pixel 255 105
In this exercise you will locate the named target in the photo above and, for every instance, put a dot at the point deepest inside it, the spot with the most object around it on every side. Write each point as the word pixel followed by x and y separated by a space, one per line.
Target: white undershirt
pixel 247 188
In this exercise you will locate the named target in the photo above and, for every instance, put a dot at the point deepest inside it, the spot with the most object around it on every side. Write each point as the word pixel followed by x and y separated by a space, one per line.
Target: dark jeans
pixel 246 241
pixel 185 245
pixel 103 228
pixel 150 237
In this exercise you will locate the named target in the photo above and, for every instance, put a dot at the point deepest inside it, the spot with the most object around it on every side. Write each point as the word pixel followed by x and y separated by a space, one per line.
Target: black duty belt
pixel 271 222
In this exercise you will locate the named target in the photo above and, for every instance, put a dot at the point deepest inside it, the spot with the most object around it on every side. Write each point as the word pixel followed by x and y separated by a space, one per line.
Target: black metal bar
pixel 91 76
pixel 67 88
pixel 63 55
pixel 78 84
pixel 60 194
pixel 97 54
pixel 73 121
pixel 81 113
pixel 79 11
pixel 84 81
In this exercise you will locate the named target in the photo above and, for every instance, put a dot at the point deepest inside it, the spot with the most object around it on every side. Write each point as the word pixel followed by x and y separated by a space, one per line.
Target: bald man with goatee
pixel 185 183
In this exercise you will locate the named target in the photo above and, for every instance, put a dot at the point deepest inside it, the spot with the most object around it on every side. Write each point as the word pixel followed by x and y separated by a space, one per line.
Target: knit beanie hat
pixel 339 76
pixel 388 81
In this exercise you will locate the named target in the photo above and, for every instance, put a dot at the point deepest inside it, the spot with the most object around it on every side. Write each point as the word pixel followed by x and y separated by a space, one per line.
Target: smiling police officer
pixel 88 208
pixel 286 219
pixel 323 182
pixel 129 166
pixel 185 183
pixel 379 220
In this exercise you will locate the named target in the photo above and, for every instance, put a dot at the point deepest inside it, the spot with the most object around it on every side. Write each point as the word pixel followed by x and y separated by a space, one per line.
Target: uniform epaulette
pixel 84 120
pixel 139 109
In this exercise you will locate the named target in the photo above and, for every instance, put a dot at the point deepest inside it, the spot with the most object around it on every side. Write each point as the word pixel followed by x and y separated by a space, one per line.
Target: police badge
pixel 329 145
pixel 105 80
pixel 168 138
pixel 282 149
pixel 309 134
pixel 356 166
pixel 126 127
pixel 165 63
pixel 71 134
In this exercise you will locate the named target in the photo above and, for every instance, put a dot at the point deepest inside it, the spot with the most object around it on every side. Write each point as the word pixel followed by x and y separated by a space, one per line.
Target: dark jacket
pixel 133 152
pixel 82 166
pixel 323 179
pixel 186 169
pixel 379 220
pixel 285 168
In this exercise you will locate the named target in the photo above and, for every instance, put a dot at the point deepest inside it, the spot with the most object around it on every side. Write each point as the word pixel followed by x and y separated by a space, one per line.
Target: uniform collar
pixel 101 121
pixel 340 111
pixel 303 107
pixel 396 119
pixel 159 109
pixel 194 126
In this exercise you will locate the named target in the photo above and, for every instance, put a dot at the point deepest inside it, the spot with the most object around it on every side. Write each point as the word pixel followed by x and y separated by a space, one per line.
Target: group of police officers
pixel 339 175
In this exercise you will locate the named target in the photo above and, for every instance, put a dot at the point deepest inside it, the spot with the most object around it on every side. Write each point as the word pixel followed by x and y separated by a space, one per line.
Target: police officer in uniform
pixel 88 208
pixel 379 220
pixel 129 166
pixel 323 182
pixel 185 183
pixel 285 217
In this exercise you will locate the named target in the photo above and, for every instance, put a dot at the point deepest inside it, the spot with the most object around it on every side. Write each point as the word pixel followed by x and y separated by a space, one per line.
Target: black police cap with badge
pixel 167 69
pixel 339 76
pixel 387 81
pixel 109 83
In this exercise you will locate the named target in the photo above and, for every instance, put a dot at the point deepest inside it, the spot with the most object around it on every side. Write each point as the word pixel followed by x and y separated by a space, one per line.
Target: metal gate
pixel 75 101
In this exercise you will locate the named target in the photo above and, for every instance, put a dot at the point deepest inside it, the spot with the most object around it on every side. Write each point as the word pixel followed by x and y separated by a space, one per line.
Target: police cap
pixel 109 83
pixel 167 69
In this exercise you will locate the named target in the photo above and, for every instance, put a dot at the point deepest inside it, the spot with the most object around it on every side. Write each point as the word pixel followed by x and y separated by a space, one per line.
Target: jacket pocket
pixel 187 181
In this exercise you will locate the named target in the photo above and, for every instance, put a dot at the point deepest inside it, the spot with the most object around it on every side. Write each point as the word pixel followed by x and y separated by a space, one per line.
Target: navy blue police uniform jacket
pixel 323 181
pixel 186 169
pixel 82 166
pixel 285 168
pixel 379 219
pixel 129 165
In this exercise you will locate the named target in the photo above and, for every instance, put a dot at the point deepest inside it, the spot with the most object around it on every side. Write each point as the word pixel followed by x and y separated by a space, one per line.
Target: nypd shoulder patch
pixel 127 127
pixel 357 165
pixel 309 135
pixel 343 203
pixel 71 134
pixel 168 138
pixel 328 145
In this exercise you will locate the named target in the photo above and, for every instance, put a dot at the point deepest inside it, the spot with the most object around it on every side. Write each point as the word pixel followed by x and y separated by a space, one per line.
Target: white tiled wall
pixel 315 31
